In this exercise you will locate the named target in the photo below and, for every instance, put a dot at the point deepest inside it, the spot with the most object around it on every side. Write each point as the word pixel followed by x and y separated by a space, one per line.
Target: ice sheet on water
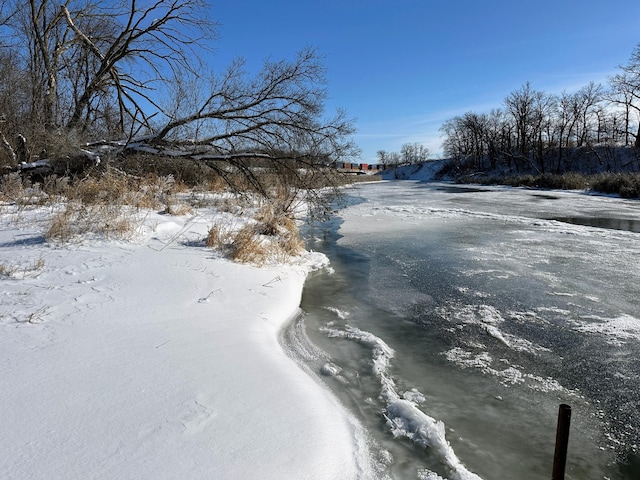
pixel 414 396
pixel 488 318
pixel 341 314
pixel 424 474
pixel 404 417
pixel 467 359
pixel 623 327
pixel 508 376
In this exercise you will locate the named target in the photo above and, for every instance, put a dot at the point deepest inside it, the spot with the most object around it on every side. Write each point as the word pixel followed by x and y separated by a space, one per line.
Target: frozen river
pixel 458 318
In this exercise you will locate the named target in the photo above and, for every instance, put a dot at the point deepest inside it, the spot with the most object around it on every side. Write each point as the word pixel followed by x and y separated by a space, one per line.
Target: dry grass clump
pixel 113 187
pixel 56 186
pixel 237 204
pixel 627 185
pixel 16 190
pixel 178 208
pixel 106 189
pixel 279 224
pixel 105 203
pixel 22 269
pixel 219 237
pixel 11 187
pixel 102 205
pixel 77 219
pixel 273 220
pixel 215 184
pixel 272 237
pixel 291 243
pixel 248 247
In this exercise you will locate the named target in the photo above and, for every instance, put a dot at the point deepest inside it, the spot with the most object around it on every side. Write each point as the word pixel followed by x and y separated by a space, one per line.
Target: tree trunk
pixel 21 150
pixel 6 146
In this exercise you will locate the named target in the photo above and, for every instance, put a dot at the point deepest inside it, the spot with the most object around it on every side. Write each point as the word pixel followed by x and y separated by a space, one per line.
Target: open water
pixel 455 320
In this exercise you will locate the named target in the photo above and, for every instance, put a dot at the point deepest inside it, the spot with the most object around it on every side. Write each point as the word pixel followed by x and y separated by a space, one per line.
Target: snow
pixel 422 171
pixel 158 359
pixel 622 327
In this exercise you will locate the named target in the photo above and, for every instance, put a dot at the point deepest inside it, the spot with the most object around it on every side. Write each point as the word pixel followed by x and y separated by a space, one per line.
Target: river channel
pixel 455 320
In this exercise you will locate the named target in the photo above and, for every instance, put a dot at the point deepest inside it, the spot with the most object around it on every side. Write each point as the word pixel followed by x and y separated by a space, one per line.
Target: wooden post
pixel 562 442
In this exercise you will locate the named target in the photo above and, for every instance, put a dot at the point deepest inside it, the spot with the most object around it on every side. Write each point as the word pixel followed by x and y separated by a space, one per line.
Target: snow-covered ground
pixel 157 359
pixel 422 172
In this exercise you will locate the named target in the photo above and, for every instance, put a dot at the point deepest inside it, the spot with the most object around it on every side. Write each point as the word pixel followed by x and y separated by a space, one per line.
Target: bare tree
pixel 159 39
pixel 476 126
pixel 414 153
pixel 626 86
pixel 394 158
pixel 586 101
pixel 542 111
pixel 520 104
pixel 565 120
pixel 89 58
pixel 388 158
pixel 281 109
pixel 47 40
pixel 6 12
pixel 12 98
pixel 99 68
pixel 497 141
pixel 622 95
pixel 382 156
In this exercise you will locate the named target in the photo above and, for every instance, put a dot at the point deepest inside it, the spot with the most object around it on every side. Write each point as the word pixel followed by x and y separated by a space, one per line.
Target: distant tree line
pixel 552 133
pixel 410 153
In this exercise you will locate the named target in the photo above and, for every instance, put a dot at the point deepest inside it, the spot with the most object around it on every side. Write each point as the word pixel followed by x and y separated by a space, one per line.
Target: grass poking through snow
pixel 113 205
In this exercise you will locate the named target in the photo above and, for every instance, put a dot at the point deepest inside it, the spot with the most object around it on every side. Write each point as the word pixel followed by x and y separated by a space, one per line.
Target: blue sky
pixel 403 67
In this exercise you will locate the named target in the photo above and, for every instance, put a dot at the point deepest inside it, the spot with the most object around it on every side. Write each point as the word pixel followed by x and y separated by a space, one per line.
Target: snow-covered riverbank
pixel 158 359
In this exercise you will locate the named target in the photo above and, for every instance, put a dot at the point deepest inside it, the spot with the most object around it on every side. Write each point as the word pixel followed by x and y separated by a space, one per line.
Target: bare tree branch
pixel 280 109
pixel 160 34
pixel 6 146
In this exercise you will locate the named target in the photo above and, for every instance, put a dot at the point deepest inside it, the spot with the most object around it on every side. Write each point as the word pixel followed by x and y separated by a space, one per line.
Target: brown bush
pixel 273 236
pixel 247 247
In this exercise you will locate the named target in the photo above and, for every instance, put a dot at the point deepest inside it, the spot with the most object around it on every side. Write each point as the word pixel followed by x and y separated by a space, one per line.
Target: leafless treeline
pixel 412 153
pixel 540 131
